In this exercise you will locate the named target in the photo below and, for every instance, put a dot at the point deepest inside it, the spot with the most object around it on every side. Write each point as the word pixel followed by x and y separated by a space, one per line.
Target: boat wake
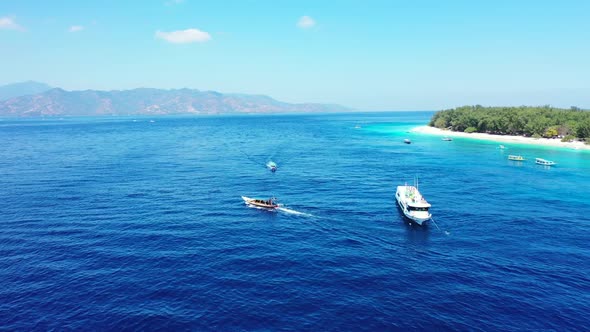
pixel 282 209
pixel 289 211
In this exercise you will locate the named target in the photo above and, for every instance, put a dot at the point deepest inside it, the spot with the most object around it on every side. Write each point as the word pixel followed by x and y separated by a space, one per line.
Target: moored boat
pixel 544 162
pixel 412 204
pixel 446 138
pixel 515 157
pixel 407 141
pixel 266 204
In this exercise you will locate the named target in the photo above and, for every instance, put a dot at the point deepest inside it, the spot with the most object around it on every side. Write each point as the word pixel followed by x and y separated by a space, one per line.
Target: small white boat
pixel 407 141
pixel 544 162
pixel 272 166
pixel 269 204
pixel 501 147
pixel 412 204
pixel 516 158
pixel 446 138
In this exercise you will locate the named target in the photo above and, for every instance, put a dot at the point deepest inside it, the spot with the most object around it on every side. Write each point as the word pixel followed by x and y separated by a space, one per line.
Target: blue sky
pixel 370 55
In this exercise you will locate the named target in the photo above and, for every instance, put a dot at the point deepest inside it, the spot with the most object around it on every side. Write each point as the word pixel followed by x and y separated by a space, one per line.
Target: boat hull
pixel 544 162
pixel 256 203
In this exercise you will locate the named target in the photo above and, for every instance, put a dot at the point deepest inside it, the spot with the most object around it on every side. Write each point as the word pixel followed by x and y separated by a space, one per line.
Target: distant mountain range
pixel 31 99
pixel 21 89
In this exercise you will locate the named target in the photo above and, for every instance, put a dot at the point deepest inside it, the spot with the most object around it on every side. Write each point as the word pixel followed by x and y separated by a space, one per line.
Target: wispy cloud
pixel 305 22
pixel 184 36
pixel 76 28
pixel 8 23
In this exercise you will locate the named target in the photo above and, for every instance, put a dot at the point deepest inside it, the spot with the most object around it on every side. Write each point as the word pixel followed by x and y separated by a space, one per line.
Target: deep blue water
pixel 115 224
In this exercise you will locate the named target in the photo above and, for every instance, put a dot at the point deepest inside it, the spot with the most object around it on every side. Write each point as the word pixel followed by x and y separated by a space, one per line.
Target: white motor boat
pixel 412 204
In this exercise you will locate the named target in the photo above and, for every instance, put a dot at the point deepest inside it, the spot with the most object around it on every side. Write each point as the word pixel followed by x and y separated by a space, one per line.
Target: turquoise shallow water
pixel 111 224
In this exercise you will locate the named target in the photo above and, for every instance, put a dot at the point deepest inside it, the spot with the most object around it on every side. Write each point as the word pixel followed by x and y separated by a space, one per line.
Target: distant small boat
pixel 357 127
pixel 407 141
pixel 270 203
pixel 501 146
pixel 272 166
pixel 447 139
pixel 544 162
pixel 515 158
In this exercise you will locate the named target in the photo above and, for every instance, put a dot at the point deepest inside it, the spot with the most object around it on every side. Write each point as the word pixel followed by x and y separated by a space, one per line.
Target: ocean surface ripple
pixel 128 224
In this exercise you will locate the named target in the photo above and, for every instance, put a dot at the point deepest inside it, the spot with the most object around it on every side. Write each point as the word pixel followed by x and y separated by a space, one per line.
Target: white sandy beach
pixel 556 142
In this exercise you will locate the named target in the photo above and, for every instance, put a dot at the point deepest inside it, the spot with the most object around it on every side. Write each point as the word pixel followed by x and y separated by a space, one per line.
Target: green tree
pixel 551 132
pixel 583 129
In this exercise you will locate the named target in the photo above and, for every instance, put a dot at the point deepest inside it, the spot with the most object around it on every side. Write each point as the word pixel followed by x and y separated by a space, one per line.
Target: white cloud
pixel 305 22
pixel 76 28
pixel 184 36
pixel 9 23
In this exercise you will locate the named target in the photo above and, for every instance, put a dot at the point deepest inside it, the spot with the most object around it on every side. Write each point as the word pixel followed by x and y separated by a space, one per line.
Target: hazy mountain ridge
pixel 149 101
pixel 22 89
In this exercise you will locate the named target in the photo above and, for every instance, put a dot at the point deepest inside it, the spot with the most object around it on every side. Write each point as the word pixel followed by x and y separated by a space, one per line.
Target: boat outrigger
pixel 412 204
pixel 272 166
pixel 266 204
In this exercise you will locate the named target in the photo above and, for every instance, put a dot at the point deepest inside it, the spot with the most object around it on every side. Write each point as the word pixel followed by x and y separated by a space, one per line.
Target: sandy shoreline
pixel 503 138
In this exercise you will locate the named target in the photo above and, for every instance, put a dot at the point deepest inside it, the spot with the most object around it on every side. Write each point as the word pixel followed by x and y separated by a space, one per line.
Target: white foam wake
pixel 286 210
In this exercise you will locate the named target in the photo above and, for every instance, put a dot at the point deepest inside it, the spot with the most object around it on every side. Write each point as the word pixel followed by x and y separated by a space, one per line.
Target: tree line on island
pixel 544 121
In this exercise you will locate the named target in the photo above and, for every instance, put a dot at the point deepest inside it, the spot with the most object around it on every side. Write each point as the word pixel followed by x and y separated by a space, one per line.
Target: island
pixel 543 125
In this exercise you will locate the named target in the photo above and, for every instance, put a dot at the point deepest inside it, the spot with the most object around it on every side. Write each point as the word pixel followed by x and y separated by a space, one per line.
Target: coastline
pixel 553 142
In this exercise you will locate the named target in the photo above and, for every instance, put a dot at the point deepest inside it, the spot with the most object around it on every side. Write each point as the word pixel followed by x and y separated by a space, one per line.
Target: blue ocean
pixel 138 224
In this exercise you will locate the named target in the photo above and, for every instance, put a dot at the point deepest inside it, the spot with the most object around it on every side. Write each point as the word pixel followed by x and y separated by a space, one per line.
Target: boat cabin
pixel 418 208
pixel 544 162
